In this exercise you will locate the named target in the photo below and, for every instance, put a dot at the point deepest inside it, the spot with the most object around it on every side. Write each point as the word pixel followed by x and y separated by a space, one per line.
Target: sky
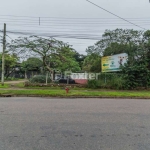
pixel 77 22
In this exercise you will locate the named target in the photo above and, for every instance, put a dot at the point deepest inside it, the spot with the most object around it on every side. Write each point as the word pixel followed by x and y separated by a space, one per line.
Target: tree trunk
pixel 46 77
pixel 25 75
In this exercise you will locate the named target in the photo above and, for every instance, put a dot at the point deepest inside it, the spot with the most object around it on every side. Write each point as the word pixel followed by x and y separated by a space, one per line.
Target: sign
pixel 113 63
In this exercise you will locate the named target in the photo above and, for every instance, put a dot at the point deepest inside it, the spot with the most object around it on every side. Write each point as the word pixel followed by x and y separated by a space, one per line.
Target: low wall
pixel 81 81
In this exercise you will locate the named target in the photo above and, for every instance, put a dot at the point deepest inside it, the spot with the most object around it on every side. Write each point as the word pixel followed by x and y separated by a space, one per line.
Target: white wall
pixel 84 75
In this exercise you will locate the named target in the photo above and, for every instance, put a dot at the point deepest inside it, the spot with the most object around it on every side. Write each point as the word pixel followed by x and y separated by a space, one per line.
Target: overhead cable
pixel 115 15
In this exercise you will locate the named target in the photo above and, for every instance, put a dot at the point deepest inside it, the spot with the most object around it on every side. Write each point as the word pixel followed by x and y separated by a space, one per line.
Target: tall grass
pixel 107 80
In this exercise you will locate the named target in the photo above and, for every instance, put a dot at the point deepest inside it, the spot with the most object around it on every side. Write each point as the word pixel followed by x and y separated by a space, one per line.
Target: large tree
pixel 121 41
pixel 53 53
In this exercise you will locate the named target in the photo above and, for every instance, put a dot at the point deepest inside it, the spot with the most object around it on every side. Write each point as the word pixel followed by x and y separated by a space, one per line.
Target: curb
pixel 108 97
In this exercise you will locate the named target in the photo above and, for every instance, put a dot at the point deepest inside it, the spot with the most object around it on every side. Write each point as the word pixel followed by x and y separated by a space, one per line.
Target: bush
pixel 111 80
pixel 108 81
pixel 136 75
pixel 40 79
pixel 92 84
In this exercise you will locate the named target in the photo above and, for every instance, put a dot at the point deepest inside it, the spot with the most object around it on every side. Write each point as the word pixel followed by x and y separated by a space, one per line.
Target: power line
pixel 73 23
pixel 67 18
pixel 67 22
pixel 72 19
pixel 75 36
pixel 9 37
pixel 115 14
pixel 77 26
pixel 18 16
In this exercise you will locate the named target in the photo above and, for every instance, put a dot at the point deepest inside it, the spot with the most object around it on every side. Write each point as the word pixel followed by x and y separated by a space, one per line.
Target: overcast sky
pixel 72 19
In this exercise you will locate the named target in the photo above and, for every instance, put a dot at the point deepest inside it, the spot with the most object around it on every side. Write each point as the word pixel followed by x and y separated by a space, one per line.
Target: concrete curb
pixel 113 97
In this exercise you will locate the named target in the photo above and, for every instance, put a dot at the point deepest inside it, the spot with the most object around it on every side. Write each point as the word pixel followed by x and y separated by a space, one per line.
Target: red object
pixel 67 90
pixel 81 81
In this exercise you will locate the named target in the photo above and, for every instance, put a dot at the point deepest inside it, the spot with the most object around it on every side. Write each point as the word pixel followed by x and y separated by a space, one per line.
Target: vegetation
pixel 108 81
pixel 53 55
pixel 40 79
pixel 11 63
pixel 77 93
pixel 136 73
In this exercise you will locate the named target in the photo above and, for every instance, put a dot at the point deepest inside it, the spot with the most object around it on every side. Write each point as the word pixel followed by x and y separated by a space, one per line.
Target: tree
pixel 136 44
pixel 69 62
pixel 92 63
pixel 53 53
pixel 120 41
pixel 11 63
pixel 79 58
pixel 32 64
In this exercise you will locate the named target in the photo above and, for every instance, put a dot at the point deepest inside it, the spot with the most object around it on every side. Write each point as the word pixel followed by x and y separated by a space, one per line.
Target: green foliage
pixel 53 53
pixel 93 84
pixel 11 62
pixel 79 58
pixel 136 75
pixel 92 63
pixel 77 93
pixel 31 64
pixel 111 80
pixel 40 79
pixel 107 80
pixel 4 86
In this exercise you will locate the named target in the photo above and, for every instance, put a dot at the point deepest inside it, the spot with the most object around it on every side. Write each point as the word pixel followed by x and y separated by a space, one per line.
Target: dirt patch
pixel 16 82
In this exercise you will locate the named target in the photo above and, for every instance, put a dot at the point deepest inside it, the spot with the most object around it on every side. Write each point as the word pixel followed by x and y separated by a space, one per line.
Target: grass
pixel 20 90
pixel 54 88
pixel 19 85
pixel 4 86
pixel 77 93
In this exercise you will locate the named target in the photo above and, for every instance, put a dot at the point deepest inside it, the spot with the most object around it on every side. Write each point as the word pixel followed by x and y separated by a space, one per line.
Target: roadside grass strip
pixel 77 93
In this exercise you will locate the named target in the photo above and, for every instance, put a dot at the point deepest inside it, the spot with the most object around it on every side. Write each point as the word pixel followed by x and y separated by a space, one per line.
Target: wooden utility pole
pixel 3 55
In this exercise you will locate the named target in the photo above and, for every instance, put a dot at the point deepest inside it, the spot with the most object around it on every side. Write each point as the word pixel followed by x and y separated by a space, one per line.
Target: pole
pixel 3 55
pixel 46 77
pixel 39 21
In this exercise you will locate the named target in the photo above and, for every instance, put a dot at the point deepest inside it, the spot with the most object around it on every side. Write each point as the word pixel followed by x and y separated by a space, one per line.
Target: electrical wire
pixel 60 18
pixel 115 15
pixel 77 36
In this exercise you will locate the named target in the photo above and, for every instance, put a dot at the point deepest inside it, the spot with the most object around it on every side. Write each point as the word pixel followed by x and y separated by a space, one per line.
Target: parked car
pixel 64 80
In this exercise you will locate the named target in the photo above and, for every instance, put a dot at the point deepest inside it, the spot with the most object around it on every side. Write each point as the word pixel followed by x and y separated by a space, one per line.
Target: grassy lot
pixel 20 90
pixel 5 86
pixel 77 93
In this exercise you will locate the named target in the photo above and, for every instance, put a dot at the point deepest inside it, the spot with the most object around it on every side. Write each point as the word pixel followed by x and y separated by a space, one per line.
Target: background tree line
pixel 34 53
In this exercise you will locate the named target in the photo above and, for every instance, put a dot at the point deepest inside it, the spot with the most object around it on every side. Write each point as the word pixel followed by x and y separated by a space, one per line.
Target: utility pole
pixel 39 21
pixel 3 54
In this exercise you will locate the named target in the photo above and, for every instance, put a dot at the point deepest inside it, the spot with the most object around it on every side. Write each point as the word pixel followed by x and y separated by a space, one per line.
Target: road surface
pixel 74 124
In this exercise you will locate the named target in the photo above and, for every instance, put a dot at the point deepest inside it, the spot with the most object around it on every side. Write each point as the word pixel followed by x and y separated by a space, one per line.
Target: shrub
pixel 111 80
pixel 108 81
pixel 136 75
pixel 40 79
pixel 92 84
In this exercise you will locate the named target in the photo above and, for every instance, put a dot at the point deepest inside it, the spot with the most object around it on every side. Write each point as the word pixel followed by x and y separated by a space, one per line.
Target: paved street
pixel 74 124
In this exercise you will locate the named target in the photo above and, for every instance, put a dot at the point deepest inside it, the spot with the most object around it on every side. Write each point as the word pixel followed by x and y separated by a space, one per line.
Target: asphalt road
pixel 74 124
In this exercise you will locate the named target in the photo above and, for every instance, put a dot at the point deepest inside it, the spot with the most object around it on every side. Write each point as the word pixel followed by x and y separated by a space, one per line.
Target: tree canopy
pixel 11 63
pixel 53 53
